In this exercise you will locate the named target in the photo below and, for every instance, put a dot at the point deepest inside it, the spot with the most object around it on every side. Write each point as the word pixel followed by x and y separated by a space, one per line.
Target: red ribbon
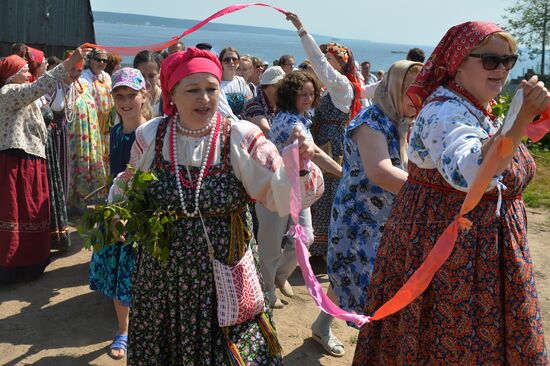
pixel 536 130
pixel 131 51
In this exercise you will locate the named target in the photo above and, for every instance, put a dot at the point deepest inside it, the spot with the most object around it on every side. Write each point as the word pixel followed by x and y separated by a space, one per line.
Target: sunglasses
pixel 230 59
pixel 103 60
pixel 491 61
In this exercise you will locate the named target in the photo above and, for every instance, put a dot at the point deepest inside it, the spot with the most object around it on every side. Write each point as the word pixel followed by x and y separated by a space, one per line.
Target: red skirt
pixel 24 215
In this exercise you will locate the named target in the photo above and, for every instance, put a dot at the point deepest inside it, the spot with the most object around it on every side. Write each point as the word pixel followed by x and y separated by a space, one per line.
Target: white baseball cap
pixel 272 75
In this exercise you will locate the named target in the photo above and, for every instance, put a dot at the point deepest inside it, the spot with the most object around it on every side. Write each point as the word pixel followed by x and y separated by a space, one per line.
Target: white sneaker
pixel 274 302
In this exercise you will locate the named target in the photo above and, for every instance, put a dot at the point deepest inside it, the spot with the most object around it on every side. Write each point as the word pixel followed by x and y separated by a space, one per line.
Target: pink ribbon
pixel 130 51
pixel 291 160
pixel 536 130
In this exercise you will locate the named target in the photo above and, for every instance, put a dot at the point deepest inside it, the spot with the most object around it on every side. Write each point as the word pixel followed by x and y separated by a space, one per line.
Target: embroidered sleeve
pixel 339 87
pixel 258 165
pixel 452 138
pixel 17 96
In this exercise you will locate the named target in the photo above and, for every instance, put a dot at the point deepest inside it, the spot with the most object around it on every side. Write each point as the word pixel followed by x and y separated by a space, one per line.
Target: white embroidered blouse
pixel 254 159
pixel 448 135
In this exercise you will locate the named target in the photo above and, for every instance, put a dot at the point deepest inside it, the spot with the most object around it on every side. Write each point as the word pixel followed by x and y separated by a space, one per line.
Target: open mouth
pixel 204 110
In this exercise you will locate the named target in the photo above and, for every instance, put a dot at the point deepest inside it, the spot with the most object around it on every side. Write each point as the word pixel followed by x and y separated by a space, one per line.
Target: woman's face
pixel 333 61
pixel 245 69
pixel 21 78
pixel 98 63
pixel 73 74
pixel 128 102
pixel 150 72
pixel 288 66
pixel 196 98
pixel 305 98
pixel 230 61
pixel 407 107
pixel 483 84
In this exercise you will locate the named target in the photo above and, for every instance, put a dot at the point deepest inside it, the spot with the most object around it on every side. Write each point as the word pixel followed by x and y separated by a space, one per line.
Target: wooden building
pixel 52 26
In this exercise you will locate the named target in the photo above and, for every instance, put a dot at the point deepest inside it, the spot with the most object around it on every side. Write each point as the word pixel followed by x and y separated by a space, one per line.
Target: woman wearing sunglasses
pixel 481 306
pixel 234 87
pixel 99 85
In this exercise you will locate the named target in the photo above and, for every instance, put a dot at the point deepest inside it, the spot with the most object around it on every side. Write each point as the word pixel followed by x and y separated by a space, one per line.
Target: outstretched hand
pixel 294 19
pixel 76 57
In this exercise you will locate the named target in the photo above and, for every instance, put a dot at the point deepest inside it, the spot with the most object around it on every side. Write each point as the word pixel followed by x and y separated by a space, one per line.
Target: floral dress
pixel 112 267
pixel 174 315
pixel 100 90
pixel 359 213
pixel 481 308
pixel 87 164
pixel 329 127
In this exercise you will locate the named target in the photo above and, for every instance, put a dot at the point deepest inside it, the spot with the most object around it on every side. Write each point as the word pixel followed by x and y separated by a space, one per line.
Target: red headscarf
pixel 181 64
pixel 442 65
pixel 345 57
pixel 10 66
pixel 35 58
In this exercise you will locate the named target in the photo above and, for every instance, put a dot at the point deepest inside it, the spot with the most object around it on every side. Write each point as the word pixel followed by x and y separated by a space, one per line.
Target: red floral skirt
pixel 481 307
pixel 24 216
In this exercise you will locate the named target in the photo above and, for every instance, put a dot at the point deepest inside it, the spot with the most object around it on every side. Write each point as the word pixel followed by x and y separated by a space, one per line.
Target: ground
pixel 57 320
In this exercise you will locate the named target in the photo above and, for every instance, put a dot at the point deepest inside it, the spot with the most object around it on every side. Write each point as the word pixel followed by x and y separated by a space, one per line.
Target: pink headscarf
pixel 184 63
pixel 443 63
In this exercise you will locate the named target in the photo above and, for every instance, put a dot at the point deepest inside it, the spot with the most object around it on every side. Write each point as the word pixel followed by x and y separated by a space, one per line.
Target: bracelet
pixel 302 32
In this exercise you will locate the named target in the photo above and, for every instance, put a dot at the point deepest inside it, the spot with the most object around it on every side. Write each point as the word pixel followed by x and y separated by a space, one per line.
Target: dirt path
pixel 57 320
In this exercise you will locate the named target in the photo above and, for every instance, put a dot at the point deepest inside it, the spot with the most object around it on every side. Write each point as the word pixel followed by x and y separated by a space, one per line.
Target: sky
pixel 420 22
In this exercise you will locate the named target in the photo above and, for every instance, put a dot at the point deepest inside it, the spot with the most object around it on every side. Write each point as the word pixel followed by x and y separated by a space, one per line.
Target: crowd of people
pixel 390 157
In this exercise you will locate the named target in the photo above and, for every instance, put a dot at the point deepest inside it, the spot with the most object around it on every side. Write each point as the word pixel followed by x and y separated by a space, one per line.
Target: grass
pixel 537 193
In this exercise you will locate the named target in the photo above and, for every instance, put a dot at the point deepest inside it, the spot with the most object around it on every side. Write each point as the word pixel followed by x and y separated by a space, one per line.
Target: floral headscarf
pixel 11 66
pixel 442 65
pixel 345 57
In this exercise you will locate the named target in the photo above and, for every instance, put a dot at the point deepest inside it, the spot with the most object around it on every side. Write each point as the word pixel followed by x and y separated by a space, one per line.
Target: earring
pixel 171 103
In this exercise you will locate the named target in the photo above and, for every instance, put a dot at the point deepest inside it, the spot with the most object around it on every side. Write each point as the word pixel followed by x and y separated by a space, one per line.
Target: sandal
pixel 119 342
pixel 331 344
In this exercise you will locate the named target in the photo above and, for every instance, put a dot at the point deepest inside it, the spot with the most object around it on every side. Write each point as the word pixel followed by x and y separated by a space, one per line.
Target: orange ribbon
pixel 421 278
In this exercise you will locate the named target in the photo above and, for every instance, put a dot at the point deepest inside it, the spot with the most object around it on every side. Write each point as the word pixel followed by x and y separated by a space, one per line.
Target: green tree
pixel 529 22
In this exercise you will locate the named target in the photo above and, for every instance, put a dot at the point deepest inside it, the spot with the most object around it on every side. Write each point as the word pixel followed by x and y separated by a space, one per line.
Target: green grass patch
pixel 537 193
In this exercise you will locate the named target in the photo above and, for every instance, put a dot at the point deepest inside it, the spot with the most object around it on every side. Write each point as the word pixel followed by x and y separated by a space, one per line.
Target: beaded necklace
pixel 207 159
pixel 70 100
pixel 460 90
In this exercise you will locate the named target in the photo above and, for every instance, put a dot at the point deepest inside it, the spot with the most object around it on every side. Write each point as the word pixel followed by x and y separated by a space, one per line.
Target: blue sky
pixel 420 22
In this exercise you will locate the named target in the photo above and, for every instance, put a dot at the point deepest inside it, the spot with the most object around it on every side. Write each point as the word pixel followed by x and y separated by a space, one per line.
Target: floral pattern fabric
pixel 173 319
pixel 481 307
pixel 359 213
pixel 448 135
pixel 87 165
pixel 258 106
pixel 282 126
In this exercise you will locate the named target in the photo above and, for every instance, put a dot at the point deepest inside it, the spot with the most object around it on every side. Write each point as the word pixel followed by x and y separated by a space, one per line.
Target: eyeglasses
pixel 491 61
pixel 230 59
pixel 291 65
pixel 103 60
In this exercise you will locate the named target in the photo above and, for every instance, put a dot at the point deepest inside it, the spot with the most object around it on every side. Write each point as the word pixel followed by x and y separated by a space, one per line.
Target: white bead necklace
pixel 175 122
pixel 69 96
pixel 188 131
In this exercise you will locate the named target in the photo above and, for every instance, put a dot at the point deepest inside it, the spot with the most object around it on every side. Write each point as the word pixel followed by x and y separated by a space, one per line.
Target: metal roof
pixel 67 23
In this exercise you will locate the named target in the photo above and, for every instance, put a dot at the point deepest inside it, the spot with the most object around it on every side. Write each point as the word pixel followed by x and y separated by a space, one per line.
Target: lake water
pixel 262 44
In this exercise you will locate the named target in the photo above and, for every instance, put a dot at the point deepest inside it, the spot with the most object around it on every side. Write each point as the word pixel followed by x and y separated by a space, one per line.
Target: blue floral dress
pixel 359 213
pixel 112 267
pixel 282 126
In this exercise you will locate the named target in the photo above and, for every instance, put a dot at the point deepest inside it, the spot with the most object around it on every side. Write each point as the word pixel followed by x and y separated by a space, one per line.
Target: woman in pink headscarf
pixel 481 307
pixel 211 167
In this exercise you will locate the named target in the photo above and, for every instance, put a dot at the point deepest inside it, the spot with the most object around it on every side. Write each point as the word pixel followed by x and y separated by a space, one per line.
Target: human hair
pixel 256 61
pixel 365 63
pixel 113 60
pixel 144 57
pixel 146 109
pixel 53 61
pixel 19 49
pixel 503 35
pixel 289 87
pixel 284 59
pixel 416 54
pixel 228 49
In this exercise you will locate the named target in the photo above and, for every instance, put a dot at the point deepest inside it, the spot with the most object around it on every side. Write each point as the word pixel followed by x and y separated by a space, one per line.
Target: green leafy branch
pixel 133 216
